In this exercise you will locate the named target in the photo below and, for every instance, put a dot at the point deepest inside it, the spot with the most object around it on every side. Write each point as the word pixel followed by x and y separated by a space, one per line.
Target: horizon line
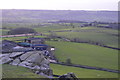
pixel 62 9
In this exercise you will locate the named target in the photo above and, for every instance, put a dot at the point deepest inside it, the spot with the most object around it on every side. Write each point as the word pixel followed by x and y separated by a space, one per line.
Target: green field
pixel 4 31
pixel 53 27
pixel 20 38
pixel 9 71
pixel 81 53
pixel 82 73
pixel 86 54
pixel 94 34
pixel 74 25
pixel 101 35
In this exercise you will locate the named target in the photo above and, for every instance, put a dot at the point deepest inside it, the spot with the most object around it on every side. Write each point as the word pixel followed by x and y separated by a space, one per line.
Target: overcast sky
pixel 60 4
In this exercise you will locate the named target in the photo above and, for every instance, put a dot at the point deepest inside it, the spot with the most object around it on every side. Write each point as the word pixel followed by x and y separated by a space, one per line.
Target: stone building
pixel 35 40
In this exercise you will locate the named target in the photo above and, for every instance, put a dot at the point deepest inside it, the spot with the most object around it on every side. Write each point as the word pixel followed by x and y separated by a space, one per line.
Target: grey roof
pixel 8 45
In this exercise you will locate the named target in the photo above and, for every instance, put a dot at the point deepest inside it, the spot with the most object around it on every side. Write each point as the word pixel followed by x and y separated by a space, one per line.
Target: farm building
pixel 35 40
pixel 7 46
pixel 40 47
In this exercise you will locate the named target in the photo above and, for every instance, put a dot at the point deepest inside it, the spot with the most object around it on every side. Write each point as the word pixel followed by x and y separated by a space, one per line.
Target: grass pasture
pixel 20 38
pixel 53 27
pixel 86 54
pixel 4 31
pixel 82 73
pixel 10 71
pixel 102 35
pixel 91 36
pixel 81 53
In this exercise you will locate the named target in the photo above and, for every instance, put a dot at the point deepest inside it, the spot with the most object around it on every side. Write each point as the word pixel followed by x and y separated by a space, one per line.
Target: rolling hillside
pixel 86 54
pixel 47 23
pixel 104 36
pixel 14 15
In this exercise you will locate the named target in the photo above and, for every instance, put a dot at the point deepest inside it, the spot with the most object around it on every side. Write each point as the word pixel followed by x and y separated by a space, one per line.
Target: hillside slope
pixel 14 15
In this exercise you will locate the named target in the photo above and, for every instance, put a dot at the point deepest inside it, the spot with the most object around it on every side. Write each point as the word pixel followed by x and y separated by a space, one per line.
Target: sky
pixel 111 5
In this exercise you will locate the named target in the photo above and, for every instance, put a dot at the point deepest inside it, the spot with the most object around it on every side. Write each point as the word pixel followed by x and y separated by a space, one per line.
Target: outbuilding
pixel 40 47
pixel 35 40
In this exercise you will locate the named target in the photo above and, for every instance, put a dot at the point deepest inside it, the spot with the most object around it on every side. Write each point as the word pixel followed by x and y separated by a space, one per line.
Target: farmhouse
pixel 35 40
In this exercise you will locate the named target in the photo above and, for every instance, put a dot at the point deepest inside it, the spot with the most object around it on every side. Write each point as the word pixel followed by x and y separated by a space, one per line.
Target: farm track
pixel 88 67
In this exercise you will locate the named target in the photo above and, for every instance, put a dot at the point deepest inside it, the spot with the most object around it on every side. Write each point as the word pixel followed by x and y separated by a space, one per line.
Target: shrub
pixel 68 61
pixel 21 31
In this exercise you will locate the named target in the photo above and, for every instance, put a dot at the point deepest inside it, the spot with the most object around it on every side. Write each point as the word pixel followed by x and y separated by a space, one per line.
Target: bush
pixel 68 61
pixel 21 31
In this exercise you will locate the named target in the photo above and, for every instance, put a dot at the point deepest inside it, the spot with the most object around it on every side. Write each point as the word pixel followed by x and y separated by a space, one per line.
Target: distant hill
pixel 16 15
